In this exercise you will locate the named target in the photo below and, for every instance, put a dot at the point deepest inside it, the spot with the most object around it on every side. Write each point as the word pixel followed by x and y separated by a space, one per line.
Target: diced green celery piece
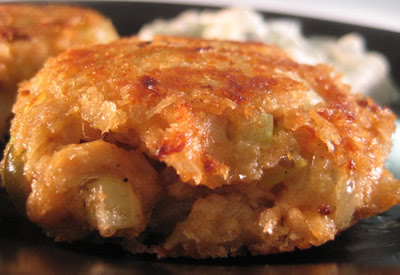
pixel 16 184
pixel 300 163
pixel 261 130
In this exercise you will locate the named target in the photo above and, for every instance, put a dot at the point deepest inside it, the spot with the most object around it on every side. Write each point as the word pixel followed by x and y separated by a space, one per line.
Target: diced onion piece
pixel 279 173
pixel 112 205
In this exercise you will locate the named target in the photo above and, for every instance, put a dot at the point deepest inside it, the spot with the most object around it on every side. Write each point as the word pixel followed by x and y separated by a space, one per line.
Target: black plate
pixel 370 247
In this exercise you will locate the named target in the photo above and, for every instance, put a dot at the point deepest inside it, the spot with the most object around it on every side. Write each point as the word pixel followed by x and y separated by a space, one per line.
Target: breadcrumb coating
pixel 227 148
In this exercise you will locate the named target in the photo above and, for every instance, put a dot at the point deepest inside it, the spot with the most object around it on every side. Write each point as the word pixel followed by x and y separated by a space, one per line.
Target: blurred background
pixel 383 14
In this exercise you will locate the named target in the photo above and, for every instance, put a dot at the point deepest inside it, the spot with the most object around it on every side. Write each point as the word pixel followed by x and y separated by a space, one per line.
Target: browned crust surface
pixel 192 105
pixel 29 34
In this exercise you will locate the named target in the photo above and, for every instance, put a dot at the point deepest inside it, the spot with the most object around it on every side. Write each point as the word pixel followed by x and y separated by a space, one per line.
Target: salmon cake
pixel 29 34
pixel 196 148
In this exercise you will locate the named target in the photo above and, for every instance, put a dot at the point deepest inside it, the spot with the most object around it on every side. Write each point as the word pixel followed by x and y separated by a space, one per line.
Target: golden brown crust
pixel 271 154
pixel 29 34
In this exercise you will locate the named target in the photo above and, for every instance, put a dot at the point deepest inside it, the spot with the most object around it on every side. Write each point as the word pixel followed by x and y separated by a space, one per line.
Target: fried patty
pixel 188 147
pixel 29 34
